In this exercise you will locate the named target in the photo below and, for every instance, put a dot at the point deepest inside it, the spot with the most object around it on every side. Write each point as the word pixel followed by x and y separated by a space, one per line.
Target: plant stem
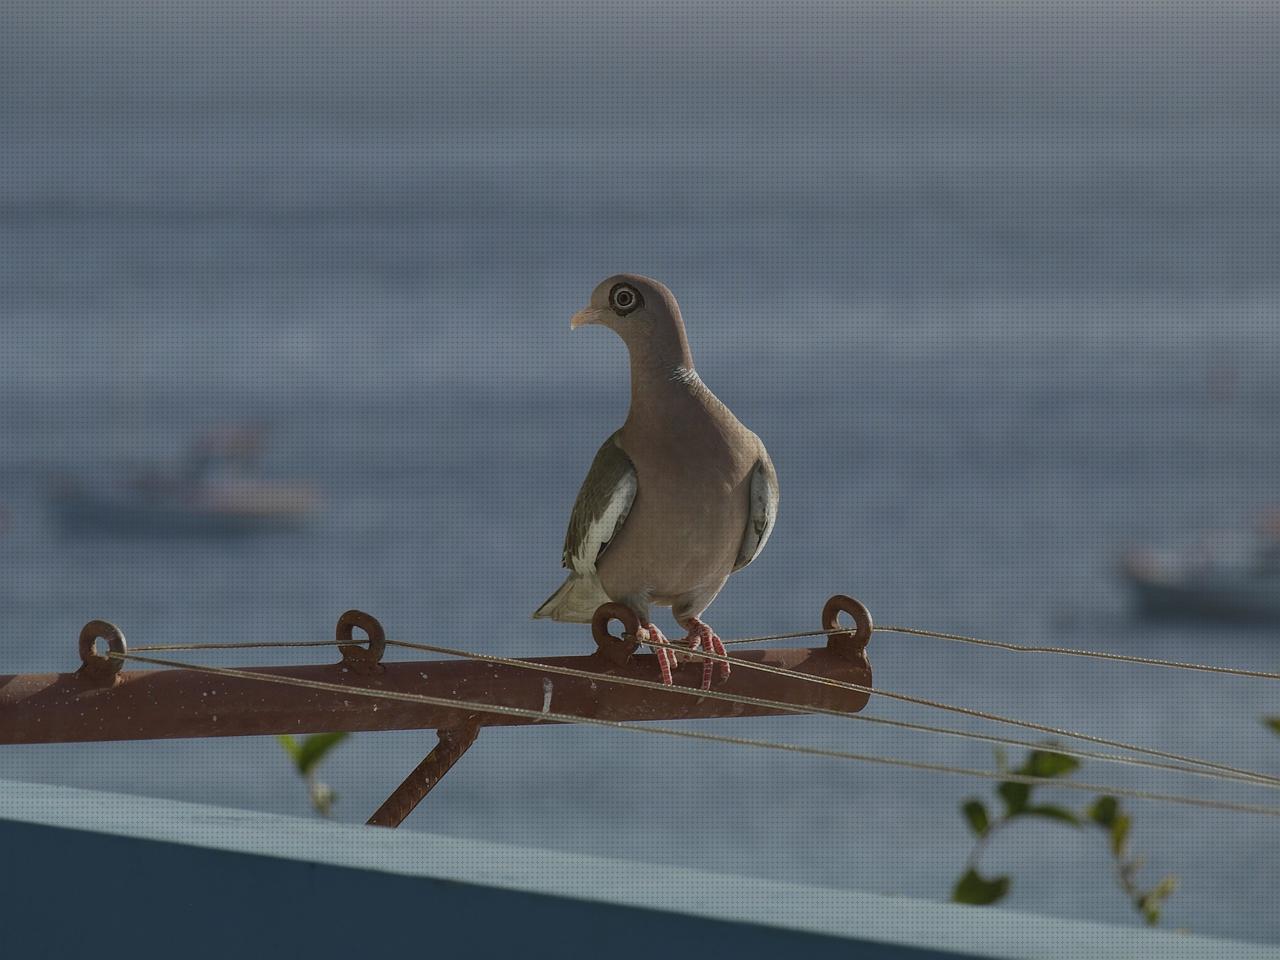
pixel 976 854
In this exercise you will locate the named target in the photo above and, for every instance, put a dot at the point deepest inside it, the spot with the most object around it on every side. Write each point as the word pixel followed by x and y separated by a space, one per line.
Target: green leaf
pixel 974 889
pixel 1273 723
pixel 1119 834
pixel 1015 796
pixel 1046 763
pixel 290 746
pixel 1150 902
pixel 1103 811
pixel 1054 813
pixel 1164 889
pixel 314 748
pixel 976 813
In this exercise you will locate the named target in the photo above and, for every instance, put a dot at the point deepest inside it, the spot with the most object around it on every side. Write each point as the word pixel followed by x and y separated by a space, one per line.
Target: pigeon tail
pixel 575 602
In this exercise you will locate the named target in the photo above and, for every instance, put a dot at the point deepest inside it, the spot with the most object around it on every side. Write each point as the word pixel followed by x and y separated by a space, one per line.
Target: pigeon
pixel 677 500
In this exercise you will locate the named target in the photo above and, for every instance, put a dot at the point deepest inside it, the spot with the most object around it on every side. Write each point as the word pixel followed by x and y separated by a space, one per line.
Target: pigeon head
pixel 643 312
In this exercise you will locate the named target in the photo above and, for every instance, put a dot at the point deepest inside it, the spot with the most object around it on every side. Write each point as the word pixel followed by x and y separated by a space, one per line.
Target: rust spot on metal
pixel 617 650
pixel 363 660
pixel 96 668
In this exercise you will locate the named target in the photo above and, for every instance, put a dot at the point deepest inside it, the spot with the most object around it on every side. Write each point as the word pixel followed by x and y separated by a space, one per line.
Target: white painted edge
pixel 986 932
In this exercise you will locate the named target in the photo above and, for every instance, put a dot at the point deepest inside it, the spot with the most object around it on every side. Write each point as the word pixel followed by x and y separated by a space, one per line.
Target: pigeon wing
pixel 601 508
pixel 762 513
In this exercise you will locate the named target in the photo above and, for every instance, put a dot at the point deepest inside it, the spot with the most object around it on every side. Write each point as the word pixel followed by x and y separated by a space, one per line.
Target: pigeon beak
pixel 583 317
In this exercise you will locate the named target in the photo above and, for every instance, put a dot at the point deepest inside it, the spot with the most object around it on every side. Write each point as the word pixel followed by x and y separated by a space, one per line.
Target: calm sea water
pixel 986 358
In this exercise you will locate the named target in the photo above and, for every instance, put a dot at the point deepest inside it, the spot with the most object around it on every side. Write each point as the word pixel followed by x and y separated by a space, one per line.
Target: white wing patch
pixel 605 527
pixel 760 518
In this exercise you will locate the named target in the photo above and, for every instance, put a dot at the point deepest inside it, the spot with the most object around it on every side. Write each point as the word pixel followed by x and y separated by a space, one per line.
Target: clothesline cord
pixel 969 712
pixel 1245 777
pixel 554 717
pixel 803 634
pixel 1229 772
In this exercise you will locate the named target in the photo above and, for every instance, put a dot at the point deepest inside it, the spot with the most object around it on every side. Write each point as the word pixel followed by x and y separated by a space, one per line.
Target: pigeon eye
pixel 623 299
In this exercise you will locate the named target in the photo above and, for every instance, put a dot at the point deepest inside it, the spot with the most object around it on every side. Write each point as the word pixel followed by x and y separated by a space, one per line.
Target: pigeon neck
pixel 658 363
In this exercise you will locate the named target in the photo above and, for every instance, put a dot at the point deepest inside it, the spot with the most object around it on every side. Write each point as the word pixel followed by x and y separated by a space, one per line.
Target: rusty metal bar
pixel 160 704
pixel 450 748
pixel 101 702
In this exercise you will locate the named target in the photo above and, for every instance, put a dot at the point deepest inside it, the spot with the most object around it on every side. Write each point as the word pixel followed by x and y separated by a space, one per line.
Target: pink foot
pixel 666 658
pixel 702 637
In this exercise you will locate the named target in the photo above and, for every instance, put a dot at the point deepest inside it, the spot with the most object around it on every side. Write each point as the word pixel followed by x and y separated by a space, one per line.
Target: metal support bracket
pixel 452 745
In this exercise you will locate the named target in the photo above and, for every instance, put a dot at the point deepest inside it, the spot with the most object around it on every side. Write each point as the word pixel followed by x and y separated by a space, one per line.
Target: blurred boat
pixel 215 491
pixel 1232 577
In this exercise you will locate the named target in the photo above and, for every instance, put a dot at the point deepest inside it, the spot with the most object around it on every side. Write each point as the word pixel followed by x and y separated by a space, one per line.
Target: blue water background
pixel 1000 292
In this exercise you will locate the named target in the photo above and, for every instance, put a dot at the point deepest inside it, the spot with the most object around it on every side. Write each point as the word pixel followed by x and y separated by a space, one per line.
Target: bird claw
pixel 702 638
pixel 666 658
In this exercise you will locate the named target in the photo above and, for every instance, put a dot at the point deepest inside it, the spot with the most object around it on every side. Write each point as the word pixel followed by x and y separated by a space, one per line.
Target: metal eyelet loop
pixel 95 666
pixel 363 659
pixel 852 645
pixel 617 650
